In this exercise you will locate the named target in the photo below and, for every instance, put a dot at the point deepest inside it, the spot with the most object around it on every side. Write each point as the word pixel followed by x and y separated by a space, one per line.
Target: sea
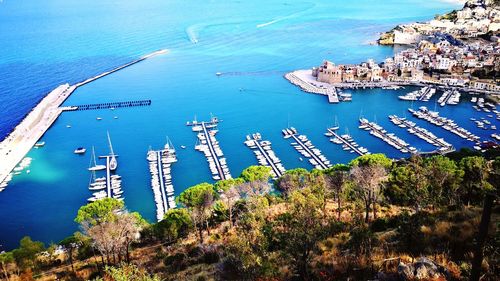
pixel 252 43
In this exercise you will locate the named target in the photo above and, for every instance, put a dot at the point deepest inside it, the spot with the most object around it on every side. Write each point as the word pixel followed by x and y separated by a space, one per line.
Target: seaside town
pixel 413 197
pixel 463 52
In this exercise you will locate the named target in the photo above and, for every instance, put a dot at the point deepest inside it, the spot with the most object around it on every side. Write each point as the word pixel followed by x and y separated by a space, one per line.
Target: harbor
pixel 448 124
pixel 443 147
pixel 265 154
pixel 25 135
pixel 389 138
pixel 304 146
pixel 347 142
pixel 209 146
pixel 160 163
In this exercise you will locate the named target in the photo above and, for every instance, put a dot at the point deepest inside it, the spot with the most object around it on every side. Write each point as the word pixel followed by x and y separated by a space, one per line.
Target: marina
pixel 209 146
pixel 265 154
pixel 160 162
pixel 424 134
pixel 346 141
pixel 390 138
pixel 304 146
pixel 445 123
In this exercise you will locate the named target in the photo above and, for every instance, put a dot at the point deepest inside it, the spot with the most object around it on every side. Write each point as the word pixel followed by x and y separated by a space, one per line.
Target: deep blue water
pixel 46 43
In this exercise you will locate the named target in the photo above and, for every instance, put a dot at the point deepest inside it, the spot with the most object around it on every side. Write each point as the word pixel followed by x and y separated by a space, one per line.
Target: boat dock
pixel 390 138
pixel 332 95
pixel 346 141
pixel 24 136
pixel 424 134
pixel 209 145
pixel 107 105
pixel 451 97
pixel 307 149
pixel 445 123
pixel 265 155
pixel 160 162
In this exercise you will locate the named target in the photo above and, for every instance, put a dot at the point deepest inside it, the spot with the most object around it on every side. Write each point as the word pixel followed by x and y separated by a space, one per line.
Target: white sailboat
pixel 113 164
pixel 95 167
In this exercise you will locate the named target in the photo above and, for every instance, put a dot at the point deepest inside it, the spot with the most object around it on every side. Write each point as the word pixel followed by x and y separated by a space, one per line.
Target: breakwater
pixel 24 136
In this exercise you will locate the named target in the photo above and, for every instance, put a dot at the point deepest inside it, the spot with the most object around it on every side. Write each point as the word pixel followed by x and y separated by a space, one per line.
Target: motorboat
pixel 80 150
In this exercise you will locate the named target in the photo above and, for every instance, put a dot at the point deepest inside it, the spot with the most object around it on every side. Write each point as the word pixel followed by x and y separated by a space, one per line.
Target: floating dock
pixel 265 155
pixel 346 141
pixel 445 123
pixel 390 138
pixel 422 133
pixel 209 145
pixel 423 94
pixel 307 149
pixel 451 97
pixel 19 142
pixel 160 162
pixel 107 105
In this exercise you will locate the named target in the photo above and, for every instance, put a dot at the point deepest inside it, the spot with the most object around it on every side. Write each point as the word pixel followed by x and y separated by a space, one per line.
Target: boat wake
pixel 192 33
pixel 294 15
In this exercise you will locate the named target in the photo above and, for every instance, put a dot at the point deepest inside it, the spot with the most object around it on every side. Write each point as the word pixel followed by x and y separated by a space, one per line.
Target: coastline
pixel 25 135
pixel 306 82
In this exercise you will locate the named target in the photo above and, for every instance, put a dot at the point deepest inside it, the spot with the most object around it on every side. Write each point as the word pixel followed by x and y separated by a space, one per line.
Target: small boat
pixel 218 73
pixel 183 146
pixel 68 126
pixel 80 150
pixel 116 117
pixel 113 164
pixel 40 144
pixel 98 118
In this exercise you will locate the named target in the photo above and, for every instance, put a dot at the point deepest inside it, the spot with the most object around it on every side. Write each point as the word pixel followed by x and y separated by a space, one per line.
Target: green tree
pixel 199 200
pixel 27 253
pixel 99 211
pixel 475 180
pixel 127 273
pixel 6 258
pixel 408 184
pixel 256 173
pixel 175 224
pixel 372 159
pixel 299 230
pixel 224 185
pixel 444 178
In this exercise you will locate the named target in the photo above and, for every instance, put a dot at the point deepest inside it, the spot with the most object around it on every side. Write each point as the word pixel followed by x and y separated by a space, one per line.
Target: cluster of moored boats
pixel 423 94
pixel 422 133
pixel 446 123
pixel 108 185
pixel 25 163
pixel 347 142
pixel 304 146
pixel 450 97
pixel 160 163
pixel 265 154
pixel 208 145
pixel 390 138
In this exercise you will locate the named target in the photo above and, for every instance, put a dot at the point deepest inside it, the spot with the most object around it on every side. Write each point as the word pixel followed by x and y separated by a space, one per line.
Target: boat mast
pixel 110 146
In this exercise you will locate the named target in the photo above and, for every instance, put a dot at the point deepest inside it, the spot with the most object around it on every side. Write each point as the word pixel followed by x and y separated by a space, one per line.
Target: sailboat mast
pixel 110 146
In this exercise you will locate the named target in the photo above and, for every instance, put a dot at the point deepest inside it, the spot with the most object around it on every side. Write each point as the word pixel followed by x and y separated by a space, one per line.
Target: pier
pixel 108 186
pixel 161 180
pixel 24 136
pixel 445 123
pixel 451 97
pixel 389 138
pixel 107 105
pixel 265 155
pixel 209 145
pixel 346 141
pixel 307 149
pixel 332 95
pixel 443 146
pixel 307 83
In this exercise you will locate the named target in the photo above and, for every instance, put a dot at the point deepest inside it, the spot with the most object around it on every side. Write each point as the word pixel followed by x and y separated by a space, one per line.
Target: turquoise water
pixel 46 43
